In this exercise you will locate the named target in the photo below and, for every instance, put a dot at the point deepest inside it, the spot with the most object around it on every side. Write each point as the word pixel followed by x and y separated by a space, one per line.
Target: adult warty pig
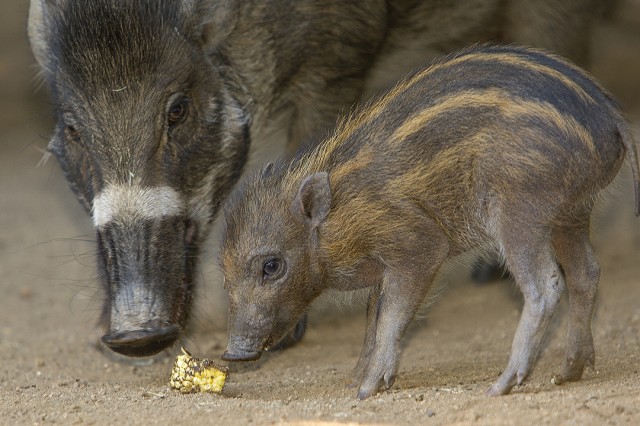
pixel 504 145
pixel 157 101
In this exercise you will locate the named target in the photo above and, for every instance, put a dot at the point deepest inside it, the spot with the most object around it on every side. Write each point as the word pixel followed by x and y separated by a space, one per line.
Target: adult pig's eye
pixel 272 268
pixel 71 133
pixel 177 111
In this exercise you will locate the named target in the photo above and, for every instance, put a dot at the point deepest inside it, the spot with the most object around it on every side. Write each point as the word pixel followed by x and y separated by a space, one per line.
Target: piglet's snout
pixel 248 331
pixel 242 349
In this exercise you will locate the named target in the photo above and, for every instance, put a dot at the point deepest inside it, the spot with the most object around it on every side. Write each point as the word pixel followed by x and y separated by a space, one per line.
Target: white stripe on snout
pixel 129 203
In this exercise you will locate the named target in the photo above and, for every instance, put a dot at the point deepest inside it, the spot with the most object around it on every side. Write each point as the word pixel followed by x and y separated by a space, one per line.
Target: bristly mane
pixel 103 49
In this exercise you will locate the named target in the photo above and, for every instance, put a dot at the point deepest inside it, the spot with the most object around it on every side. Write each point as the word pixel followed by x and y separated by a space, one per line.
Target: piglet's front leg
pixel 369 338
pixel 406 280
pixel 400 297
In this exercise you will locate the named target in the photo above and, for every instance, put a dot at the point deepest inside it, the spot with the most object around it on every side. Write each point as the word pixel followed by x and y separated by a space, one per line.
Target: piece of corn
pixel 191 374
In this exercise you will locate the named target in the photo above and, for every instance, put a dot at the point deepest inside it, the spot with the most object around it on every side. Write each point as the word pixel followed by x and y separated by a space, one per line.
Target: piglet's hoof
pixel 497 390
pixel 364 394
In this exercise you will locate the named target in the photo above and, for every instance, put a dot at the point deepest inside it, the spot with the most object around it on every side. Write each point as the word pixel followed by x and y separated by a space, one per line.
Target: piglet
pixel 496 145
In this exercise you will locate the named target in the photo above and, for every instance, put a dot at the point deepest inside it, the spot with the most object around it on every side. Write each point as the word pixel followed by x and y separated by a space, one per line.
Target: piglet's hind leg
pixel 582 273
pixel 531 260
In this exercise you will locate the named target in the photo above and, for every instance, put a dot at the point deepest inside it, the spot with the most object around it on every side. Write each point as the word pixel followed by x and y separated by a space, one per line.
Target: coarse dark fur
pixel 167 94
pixel 498 144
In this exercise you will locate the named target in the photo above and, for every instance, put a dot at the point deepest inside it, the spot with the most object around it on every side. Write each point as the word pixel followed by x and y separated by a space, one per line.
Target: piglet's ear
pixel 313 201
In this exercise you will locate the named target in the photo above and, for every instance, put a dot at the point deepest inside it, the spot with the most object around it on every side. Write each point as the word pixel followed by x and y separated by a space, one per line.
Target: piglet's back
pixel 489 125
pixel 483 130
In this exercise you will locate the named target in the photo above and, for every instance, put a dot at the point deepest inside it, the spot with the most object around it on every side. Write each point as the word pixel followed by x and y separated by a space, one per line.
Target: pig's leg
pixel 399 300
pixel 582 273
pixel 404 287
pixel 292 337
pixel 531 260
pixel 369 337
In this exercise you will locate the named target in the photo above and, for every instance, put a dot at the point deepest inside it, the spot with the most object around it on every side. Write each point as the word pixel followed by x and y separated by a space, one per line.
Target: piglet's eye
pixel 272 267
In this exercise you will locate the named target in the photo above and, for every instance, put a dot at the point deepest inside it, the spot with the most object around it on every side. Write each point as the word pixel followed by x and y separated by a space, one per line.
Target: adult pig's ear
pixel 213 20
pixel 38 30
pixel 313 201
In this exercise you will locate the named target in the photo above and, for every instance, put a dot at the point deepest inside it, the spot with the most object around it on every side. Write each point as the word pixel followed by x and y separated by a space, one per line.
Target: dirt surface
pixel 49 302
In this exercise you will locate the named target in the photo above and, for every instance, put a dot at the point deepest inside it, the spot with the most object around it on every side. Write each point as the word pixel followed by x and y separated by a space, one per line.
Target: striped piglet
pixel 501 145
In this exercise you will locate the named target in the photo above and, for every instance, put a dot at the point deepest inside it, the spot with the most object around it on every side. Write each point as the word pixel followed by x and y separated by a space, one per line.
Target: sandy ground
pixel 50 372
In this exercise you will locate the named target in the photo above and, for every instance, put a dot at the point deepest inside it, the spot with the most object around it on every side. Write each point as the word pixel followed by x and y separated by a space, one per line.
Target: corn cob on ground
pixel 190 375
